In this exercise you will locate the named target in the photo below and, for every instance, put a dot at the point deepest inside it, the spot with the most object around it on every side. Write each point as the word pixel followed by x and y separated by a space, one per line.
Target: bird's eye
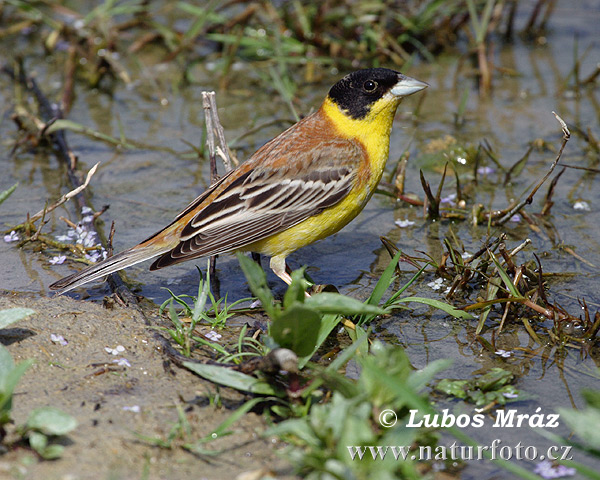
pixel 370 86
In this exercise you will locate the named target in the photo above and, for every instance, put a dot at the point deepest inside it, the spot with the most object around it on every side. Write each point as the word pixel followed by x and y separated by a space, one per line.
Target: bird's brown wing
pixel 268 198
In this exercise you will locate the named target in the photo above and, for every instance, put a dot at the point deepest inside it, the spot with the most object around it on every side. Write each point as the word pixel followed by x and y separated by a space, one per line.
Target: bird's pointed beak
pixel 407 86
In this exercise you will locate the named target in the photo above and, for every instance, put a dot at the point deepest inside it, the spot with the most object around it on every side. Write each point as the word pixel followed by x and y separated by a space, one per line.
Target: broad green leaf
pixel 449 309
pixel 38 441
pixel 454 388
pixel 50 421
pixel 335 303
pixel 328 323
pixel 297 328
pixel 12 315
pixel 52 452
pixel 232 378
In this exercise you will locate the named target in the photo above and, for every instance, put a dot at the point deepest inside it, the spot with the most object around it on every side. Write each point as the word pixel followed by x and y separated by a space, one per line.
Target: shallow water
pixel 146 187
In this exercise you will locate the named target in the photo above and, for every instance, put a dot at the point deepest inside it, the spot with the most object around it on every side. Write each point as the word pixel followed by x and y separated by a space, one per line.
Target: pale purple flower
pixel 484 171
pixel 503 353
pixel 11 237
pixel 510 395
pixel 122 362
pixel 448 199
pixel 58 260
pixel 515 218
pixel 54 338
pixel 214 336
pixel 547 469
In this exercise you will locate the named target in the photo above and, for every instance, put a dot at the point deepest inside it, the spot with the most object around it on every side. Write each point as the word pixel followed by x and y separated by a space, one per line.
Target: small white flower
pixel 581 205
pixel 115 351
pixel 58 260
pixel 465 255
pixel 510 395
pixel 86 210
pixel 133 408
pixel 436 284
pixel 54 338
pixel 11 237
pixel 214 336
pixel 404 223
pixel 503 353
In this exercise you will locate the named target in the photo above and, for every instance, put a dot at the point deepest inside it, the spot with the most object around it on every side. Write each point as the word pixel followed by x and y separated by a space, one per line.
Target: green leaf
pixel 454 388
pixel 7 193
pixel 52 452
pixel 335 303
pixel 257 281
pixel 50 421
pixel 297 328
pixel 493 380
pixel 449 309
pixel 12 315
pixel 6 365
pixel 38 441
pixel 10 378
pixel 231 378
pixel 505 278
pixel 384 282
pixel 328 323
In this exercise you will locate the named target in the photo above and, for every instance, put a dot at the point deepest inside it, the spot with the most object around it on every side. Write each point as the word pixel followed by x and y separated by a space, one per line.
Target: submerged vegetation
pixel 319 368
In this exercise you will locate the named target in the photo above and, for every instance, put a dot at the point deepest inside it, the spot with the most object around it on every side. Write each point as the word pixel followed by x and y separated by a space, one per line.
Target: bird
pixel 302 186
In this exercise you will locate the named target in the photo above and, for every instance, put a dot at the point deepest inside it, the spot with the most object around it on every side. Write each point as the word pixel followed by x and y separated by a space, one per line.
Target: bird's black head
pixel 356 93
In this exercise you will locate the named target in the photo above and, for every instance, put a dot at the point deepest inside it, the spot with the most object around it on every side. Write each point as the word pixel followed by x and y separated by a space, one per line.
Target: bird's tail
pixel 112 264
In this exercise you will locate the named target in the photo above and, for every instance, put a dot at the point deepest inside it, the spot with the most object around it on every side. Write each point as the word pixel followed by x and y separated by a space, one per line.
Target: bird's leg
pixel 277 264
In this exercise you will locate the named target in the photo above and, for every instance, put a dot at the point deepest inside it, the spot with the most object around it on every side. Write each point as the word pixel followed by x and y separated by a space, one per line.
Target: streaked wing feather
pixel 266 201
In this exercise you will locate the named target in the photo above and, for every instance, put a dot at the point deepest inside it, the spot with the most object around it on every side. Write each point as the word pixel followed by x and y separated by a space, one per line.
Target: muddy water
pixel 146 187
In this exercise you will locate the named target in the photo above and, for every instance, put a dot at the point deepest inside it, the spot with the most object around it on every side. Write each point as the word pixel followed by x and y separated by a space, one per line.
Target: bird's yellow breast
pixel 373 134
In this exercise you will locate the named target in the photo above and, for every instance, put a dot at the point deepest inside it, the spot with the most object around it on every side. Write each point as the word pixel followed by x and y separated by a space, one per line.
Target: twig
pixel 66 196
pixel 213 126
pixel 512 211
